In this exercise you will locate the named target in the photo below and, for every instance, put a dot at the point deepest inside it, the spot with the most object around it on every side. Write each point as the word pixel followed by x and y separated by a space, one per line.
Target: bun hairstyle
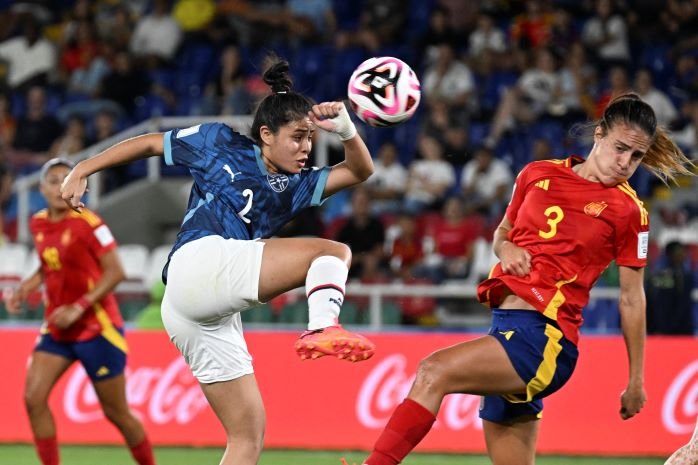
pixel 283 105
pixel 663 158
pixel 277 77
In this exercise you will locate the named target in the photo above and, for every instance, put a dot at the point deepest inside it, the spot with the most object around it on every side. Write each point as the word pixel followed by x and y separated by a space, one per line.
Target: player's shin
pixel 325 285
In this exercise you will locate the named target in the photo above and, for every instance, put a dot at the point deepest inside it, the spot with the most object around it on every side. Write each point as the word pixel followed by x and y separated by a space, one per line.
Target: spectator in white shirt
pixel 157 35
pixel 448 78
pixel 486 37
pixel 486 183
pixel 607 33
pixel 661 104
pixel 387 184
pixel 30 57
pixel 430 177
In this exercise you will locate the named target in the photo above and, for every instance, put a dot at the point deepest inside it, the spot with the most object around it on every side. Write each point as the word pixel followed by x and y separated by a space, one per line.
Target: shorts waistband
pixel 521 315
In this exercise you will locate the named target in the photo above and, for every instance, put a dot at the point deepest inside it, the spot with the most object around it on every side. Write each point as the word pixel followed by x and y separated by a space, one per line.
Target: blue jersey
pixel 234 196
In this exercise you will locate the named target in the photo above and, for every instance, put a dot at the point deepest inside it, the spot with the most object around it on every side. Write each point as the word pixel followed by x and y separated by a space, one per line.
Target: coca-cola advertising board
pixel 328 403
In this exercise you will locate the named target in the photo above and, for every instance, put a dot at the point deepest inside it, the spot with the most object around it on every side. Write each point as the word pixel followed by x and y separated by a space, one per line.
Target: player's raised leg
pixel 323 266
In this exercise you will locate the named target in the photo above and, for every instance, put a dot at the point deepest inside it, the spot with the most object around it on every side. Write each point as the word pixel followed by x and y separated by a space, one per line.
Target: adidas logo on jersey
pixel 543 184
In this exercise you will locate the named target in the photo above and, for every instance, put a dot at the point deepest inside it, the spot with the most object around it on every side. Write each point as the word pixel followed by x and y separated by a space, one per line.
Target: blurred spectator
pixel 82 62
pixel 678 18
pixel 430 177
pixel 104 126
pixel 563 32
pixel 532 28
pixel 573 99
pixel 452 239
pixel 606 33
pixel 125 83
pixel 157 36
pixel 30 57
pixel 448 79
pixel 617 84
pixel 486 184
pixel 227 93
pixel 542 150
pixel 438 32
pixel 669 303
pixel 72 141
pixel 8 124
pixel 5 192
pixel 450 129
pixel 486 36
pixel 382 23
pixel 530 98
pixel 387 184
pixel 687 136
pixel 404 246
pixel 36 131
pixel 663 107
pixel 364 234
pixel 310 21
pixel 116 28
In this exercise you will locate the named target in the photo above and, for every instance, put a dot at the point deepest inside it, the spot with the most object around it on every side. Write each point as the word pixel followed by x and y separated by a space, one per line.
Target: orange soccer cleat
pixel 335 341
pixel 344 461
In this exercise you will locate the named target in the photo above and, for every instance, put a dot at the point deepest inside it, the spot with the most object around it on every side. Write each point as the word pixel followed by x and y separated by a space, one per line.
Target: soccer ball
pixel 384 91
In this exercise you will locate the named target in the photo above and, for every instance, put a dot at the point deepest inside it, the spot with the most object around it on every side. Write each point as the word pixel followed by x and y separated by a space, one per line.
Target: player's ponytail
pixel 283 105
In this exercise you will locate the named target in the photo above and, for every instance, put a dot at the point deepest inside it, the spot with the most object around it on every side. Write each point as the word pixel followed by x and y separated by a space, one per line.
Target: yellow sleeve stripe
pixel 91 218
pixel 625 188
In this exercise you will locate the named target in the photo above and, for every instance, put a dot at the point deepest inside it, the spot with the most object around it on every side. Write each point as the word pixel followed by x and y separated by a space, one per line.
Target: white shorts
pixel 209 282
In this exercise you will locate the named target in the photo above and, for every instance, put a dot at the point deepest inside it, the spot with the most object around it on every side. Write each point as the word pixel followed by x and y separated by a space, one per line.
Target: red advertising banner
pixel 330 404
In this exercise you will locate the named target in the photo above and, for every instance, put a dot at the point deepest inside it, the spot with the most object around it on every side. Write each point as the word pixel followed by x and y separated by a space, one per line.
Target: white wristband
pixel 343 125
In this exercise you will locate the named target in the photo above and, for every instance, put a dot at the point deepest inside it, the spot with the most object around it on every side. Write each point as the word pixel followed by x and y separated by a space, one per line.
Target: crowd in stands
pixel 503 83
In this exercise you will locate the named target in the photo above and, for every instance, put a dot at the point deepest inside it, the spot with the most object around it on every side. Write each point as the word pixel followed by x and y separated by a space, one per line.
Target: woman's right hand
pixel 73 187
pixel 514 260
pixel 13 298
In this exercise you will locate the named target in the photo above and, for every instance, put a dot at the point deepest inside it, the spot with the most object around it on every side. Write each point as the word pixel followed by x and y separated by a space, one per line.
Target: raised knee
pixel 430 374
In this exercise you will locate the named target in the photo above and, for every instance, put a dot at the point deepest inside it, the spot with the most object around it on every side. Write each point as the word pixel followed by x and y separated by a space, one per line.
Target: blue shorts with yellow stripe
pixel 541 356
pixel 102 357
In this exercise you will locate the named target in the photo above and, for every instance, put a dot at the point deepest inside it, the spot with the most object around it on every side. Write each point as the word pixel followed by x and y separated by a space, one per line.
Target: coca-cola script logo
pixel 388 384
pixel 680 405
pixel 161 394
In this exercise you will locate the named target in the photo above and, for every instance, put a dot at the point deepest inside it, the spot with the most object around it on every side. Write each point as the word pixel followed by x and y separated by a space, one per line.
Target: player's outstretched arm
pixel 75 184
pixel 358 164
pixel 632 317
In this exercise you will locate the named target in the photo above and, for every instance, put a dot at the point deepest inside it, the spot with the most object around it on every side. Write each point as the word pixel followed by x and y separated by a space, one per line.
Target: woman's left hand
pixel 333 117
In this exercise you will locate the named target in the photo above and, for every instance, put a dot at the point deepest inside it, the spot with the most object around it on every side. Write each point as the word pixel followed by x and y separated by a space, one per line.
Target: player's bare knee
pixel 430 375
pixel 34 402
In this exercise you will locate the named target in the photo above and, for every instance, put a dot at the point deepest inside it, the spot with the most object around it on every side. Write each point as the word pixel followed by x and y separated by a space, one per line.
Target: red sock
pixel 47 450
pixel 143 452
pixel 407 426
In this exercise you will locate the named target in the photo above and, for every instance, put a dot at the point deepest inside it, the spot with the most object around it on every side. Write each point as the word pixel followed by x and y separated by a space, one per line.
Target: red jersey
pixel 572 228
pixel 69 251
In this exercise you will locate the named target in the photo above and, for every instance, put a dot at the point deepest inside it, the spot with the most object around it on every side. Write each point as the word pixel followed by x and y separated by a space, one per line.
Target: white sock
pixel 324 286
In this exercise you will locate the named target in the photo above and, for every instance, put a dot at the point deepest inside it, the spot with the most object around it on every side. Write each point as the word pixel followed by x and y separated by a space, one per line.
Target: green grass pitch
pixel 22 454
